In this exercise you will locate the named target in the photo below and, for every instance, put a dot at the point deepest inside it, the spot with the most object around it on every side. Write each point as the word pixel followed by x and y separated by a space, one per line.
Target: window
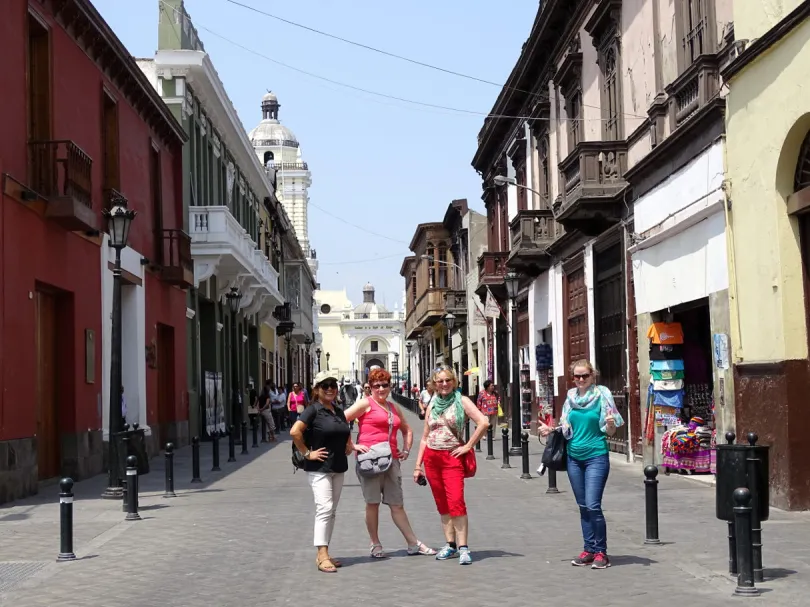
pixel 543 166
pixel 431 253
pixel 441 264
pixel 39 80
pixel 374 345
pixel 157 202
pixel 611 113
pixel 503 228
pixel 265 365
pixel 522 193
pixel 326 309
pixel 573 110
pixel 695 31
pixel 413 289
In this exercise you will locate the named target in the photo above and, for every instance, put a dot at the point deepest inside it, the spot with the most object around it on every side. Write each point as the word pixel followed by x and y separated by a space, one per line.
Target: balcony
pixel 491 270
pixel 219 245
pixel 174 258
pixel 591 185
pixel 455 302
pixel 428 311
pixel 61 173
pixel 532 232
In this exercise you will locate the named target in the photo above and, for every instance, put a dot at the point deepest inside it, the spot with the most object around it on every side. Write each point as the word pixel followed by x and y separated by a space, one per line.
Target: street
pixel 243 537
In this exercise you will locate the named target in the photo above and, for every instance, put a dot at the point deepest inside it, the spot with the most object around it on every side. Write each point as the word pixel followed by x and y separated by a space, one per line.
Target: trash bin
pixel 732 473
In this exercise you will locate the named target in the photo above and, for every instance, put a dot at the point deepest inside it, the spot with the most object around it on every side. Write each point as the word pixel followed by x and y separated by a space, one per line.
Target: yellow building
pixel 768 207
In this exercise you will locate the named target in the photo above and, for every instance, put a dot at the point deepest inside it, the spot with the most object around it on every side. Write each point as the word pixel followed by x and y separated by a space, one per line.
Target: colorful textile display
pixel 688 447
pixel 666 365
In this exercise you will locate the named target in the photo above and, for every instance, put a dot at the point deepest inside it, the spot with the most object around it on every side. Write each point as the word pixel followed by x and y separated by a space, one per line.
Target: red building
pixel 79 126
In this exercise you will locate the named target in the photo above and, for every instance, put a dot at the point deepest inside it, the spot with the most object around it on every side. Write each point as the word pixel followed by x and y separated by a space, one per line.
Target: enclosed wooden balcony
pixel 429 309
pixel 455 302
pixel 591 186
pixel 532 232
pixel 491 271
pixel 61 173
pixel 175 262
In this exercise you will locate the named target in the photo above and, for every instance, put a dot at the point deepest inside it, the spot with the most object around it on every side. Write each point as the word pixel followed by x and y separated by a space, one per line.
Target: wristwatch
pixel 306 455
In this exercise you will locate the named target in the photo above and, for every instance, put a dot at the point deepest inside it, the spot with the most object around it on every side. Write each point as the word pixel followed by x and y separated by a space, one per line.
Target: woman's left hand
pixel 459 451
pixel 610 421
pixel 403 455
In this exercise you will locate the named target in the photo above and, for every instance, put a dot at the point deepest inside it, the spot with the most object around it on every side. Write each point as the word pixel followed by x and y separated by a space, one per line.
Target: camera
pixel 421 480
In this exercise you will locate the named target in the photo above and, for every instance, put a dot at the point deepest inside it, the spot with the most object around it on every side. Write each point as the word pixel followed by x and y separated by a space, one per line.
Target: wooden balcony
pixel 491 271
pixel 455 302
pixel 174 258
pixel 61 173
pixel 429 309
pixel 591 186
pixel 532 232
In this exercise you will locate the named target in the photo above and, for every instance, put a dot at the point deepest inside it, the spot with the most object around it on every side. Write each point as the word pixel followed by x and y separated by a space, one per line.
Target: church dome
pixel 369 306
pixel 270 132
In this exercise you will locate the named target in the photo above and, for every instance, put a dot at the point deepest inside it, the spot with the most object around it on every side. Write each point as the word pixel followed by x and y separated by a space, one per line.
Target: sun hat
pixel 323 376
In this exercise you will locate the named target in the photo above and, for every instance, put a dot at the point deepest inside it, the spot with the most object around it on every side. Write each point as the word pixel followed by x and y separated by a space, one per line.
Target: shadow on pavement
pixel 777 574
pixel 482 555
pixel 619 560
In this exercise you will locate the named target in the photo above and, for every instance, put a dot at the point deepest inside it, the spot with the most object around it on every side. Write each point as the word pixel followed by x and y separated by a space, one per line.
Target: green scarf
pixel 443 403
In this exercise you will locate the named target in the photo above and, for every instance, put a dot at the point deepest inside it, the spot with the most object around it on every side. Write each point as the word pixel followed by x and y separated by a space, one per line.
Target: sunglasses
pixel 329 385
pixel 366 388
pixel 581 375
pixel 444 381
pixel 380 386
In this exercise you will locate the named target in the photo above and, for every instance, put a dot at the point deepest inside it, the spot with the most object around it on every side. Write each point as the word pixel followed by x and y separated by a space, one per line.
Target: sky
pixel 379 166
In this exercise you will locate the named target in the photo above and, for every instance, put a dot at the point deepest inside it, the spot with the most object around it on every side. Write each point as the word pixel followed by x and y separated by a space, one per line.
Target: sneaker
pixel 600 561
pixel 583 560
pixel 464 557
pixel 447 552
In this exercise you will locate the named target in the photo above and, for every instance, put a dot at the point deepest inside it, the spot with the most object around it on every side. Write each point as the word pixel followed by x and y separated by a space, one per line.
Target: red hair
pixel 379 375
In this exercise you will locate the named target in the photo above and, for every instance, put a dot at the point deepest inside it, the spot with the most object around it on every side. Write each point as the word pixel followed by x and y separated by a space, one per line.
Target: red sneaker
pixel 600 561
pixel 583 560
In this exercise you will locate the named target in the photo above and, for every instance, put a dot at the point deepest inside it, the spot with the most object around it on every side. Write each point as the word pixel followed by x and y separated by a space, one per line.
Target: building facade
pixel 83 129
pixel 768 196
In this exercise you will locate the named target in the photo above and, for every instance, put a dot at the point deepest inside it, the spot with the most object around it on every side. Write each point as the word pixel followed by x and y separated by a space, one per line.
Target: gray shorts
pixel 385 488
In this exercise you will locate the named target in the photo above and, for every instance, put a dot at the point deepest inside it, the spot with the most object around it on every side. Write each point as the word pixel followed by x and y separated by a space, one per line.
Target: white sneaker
pixel 464 556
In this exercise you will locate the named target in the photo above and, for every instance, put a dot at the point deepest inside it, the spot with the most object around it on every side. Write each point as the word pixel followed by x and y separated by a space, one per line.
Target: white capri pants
pixel 326 488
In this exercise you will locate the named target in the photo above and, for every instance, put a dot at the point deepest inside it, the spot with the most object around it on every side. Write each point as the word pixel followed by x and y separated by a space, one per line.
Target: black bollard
pixel 244 438
pixel 195 460
pixel 215 451
pixel 524 452
pixel 169 489
pixel 123 456
pixel 552 481
pixel 232 444
pixel 505 439
pixel 756 525
pixel 478 446
pixel 732 534
pixel 255 424
pixel 132 489
pixel 135 426
pixel 66 520
pixel 651 504
pixel 264 429
pixel 745 560
pixel 490 446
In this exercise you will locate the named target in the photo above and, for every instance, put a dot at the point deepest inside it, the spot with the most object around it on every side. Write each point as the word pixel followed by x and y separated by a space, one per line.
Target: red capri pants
pixel 445 474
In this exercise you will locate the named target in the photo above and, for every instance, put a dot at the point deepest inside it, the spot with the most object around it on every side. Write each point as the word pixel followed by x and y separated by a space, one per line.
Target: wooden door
pixel 165 383
pixel 633 386
pixel 48 444
pixel 577 316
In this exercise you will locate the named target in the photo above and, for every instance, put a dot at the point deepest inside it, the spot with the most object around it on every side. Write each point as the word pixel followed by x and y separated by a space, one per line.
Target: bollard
pixel 66 520
pixel 215 451
pixel 478 446
pixel 752 462
pixel 264 429
pixel 732 534
pixel 195 460
pixel 505 439
pixel 255 429
pixel 132 489
pixel 169 489
pixel 524 452
pixel 490 446
pixel 552 481
pixel 651 504
pixel 745 560
pixel 244 438
pixel 232 444
pixel 135 426
pixel 124 451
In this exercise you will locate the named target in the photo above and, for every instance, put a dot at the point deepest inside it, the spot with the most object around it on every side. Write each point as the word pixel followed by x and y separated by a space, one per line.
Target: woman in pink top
pixel 296 403
pixel 372 414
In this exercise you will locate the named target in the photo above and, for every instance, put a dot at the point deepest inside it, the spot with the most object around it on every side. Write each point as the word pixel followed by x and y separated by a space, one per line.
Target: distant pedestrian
pixel 266 412
pixel 588 417
pixel 278 405
pixel 443 451
pixel 488 402
pixel 425 397
pixel 296 402
pixel 321 434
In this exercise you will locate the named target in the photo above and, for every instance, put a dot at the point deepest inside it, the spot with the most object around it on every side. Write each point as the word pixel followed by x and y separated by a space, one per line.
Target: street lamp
pixel 420 343
pixel 504 180
pixel 308 376
pixel 512 282
pixel 119 219
pixel 318 356
pixel 234 298
pixel 408 347
pixel 449 322
pixel 327 360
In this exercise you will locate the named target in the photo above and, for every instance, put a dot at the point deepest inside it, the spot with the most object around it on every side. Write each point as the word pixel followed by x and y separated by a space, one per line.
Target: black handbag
pixel 554 455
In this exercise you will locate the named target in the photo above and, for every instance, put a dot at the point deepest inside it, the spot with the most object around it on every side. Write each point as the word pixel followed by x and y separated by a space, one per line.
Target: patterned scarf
pixel 588 400
pixel 443 403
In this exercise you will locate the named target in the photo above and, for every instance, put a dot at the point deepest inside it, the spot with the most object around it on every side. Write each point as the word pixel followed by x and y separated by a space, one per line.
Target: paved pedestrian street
pixel 244 535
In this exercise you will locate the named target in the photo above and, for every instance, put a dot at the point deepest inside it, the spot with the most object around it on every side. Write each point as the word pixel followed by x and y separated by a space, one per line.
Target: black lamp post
pixel 408 347
pixel 234 297
pixel 512 283
pixel 119 219
pixel 449 322
pixel 420 343
pixel 308 373
pixel 327 360
pixel 318 356
pixel 289 361
pixel 396 372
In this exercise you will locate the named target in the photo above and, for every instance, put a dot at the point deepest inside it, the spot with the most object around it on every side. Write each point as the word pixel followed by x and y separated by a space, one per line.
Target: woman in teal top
pixel 588 417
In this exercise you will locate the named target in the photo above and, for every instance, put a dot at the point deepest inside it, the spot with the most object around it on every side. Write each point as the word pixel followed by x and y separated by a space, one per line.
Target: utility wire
pixel 355 261
pixel 359 227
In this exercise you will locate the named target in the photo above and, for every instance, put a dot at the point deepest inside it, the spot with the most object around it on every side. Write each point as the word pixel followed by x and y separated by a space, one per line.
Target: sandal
pixel 336 562
pixel 420 548
pixel 322 566
pixel 377 551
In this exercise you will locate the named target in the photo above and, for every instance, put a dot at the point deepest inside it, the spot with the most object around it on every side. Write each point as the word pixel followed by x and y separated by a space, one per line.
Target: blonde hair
pixel 583 363
pixel 444 369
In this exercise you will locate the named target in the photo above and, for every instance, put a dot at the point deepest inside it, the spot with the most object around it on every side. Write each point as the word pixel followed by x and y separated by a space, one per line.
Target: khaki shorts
pixel 385 488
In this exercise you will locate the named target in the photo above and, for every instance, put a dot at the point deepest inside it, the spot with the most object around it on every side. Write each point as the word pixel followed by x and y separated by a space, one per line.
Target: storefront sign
pixel 721 350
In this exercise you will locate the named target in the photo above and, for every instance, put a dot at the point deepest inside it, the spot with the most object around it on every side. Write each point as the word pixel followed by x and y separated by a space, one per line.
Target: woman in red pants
pixel 441 451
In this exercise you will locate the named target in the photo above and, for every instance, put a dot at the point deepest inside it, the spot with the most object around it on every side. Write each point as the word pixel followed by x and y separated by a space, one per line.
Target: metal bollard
pixel 232 444
pixel 651 504
pixel 264 428
pixel 505 439
pixel 490 446
pixel 195 460
pixel 215 451
pixel 255 424
pixel 132 489
pixel 552 481
pixel 745 560
pixel 732 533
pixel 244 438
pixel 478 446
pixel 169 490
pixel 524 452
pixel 66 520
pixel 123 456
pixel 752 463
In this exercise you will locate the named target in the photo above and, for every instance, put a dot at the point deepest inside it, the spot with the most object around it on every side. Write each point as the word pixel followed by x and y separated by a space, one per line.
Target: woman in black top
pixel 322 435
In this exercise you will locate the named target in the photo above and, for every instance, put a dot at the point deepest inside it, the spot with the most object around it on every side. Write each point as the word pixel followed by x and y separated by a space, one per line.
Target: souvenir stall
pixel 544 364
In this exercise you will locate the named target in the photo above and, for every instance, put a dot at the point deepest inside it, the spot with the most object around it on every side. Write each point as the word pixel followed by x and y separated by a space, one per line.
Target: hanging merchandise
pixel 543 357
pixel 667 333
pixel 688 447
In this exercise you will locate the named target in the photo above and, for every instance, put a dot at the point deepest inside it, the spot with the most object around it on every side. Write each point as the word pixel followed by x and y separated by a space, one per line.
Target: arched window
pixel 801 209
pixel 269 158
pixel 803 166
pixel 610 95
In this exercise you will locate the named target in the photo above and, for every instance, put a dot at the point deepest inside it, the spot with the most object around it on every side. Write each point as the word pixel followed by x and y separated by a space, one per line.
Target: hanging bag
pixel 468 459
pixel 554 455
pixel 379 457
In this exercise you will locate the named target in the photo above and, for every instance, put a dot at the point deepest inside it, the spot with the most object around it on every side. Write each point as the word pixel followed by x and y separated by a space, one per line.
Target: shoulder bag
pixel 554 455
pixel 379 457
pixel 468 459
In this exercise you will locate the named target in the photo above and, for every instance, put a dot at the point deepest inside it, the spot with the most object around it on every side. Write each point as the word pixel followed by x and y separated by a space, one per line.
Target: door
pixel 577 316
pixel 165 383
pixel 633 387
pixel 48 444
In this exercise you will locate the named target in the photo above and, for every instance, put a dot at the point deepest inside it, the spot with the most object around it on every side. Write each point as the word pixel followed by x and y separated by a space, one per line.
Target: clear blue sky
pixel 381 165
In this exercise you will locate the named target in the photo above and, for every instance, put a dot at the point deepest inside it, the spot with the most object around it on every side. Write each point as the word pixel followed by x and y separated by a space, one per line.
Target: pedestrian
pixel 321 434
pixel 366 390
pixel 425 397
pixel 347 398
pixel 278 403
pixel 253 404
pixel 266 412
pixel 443 450
pixel 488 402
pixel 588 417
pixel 381 421
pixel 296 402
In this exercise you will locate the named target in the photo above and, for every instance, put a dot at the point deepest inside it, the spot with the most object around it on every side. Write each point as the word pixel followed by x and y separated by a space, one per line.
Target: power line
pixel 359 227
pixel 355 261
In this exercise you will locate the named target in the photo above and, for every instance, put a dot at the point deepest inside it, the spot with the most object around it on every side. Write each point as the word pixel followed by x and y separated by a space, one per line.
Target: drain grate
pixel 15 572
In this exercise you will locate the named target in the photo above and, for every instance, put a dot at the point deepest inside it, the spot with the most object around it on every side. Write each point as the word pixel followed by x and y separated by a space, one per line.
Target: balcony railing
pixel 456 302
pixel 534 229
pixel 429 308
pixel 492 267
pixel 176 264
pixel 61 172
pixel 288 166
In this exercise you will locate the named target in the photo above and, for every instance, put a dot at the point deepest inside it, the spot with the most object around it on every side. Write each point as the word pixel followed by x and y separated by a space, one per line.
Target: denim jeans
pixel 588 480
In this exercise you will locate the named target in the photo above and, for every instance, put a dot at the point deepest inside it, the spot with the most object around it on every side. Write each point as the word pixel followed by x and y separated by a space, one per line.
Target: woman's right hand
pixel 361 448
pixel 544 429
pixel 318 455
pixel 417 474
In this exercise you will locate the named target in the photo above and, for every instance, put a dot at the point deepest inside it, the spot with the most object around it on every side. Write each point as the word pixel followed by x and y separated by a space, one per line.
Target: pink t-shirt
pixel 374 426
pixel 296 400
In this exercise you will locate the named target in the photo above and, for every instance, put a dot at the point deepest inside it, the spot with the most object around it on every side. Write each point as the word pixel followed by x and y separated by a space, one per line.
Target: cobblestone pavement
pixel 243 537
